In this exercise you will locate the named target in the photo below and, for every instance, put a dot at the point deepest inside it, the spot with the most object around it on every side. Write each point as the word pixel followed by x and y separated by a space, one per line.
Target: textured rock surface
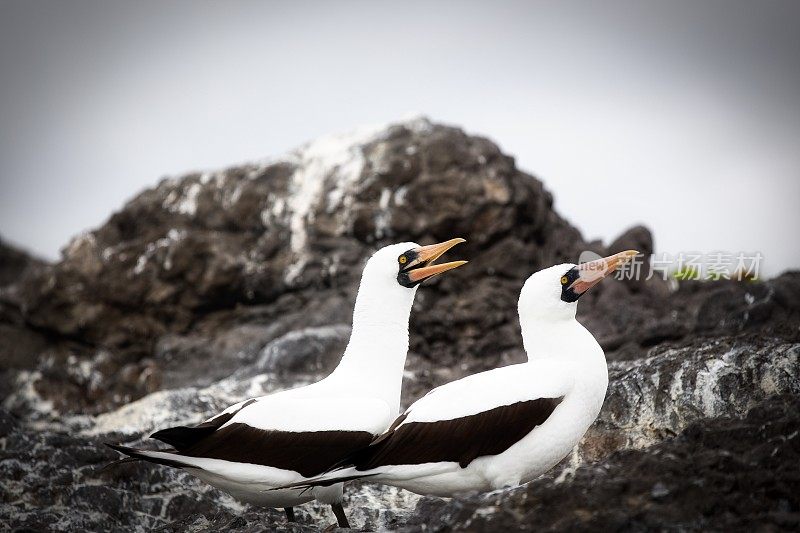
pixel 723 474
pixel 214 287
pixel 14 263
pixel 276 247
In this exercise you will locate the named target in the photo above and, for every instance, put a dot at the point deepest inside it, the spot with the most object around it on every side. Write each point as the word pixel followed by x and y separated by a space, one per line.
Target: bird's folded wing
pixel 483 414
pixel 460 440
pixel 306 435
pixel 486 390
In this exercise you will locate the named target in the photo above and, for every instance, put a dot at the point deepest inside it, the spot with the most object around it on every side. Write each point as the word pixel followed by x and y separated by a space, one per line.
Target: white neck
pixel 563 338
pixel 373 361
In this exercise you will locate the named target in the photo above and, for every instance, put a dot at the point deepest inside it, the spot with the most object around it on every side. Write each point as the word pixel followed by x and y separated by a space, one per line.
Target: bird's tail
pixel 332 477
pixel 118 462
pixel 153 456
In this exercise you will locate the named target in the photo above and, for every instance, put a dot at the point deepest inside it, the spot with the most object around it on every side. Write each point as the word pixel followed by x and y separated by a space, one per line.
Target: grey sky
pixel 680 115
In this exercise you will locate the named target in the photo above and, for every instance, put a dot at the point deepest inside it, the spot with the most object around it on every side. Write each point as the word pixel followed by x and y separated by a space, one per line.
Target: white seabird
pixel 294 435
pixel 507 426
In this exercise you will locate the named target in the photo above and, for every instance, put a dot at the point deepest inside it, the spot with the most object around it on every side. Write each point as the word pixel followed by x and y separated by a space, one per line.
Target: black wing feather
pixel 308 452
pixel 183 437
pixel 460 440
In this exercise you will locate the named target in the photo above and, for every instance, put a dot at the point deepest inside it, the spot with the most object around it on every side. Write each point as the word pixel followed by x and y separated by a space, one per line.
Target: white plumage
pixel 506 426
pixel 290 436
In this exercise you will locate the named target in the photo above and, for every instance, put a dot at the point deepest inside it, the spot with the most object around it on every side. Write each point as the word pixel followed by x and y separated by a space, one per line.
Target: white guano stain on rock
pixel 157 410
pixel 400 195
pixel 173 236
pixel 707 393
pixel 27 395
pixel 183 200
pixel 704 385
pixel 384 216
pixel 85 239
pixel 334 162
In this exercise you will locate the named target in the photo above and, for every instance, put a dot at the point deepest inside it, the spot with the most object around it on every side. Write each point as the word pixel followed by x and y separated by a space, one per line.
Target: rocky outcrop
pixel 213 287
pixel 717 419
pixel 277 247
pixel 723 474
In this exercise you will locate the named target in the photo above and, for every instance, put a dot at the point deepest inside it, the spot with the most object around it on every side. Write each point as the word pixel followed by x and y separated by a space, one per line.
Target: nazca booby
pixel 293 435
pixel 503 427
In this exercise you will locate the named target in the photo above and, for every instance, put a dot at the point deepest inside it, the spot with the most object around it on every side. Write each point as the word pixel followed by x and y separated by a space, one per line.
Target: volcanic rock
pixel 213 287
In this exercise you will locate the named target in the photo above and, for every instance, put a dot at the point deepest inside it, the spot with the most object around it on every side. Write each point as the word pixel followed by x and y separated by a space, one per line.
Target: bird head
pixel 553 293
pixel 416 264
pixel 393 273
pixel 408 264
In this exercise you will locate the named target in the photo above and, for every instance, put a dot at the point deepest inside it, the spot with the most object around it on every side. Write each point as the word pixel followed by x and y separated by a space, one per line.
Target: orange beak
pixel 422 267
pixel 593 272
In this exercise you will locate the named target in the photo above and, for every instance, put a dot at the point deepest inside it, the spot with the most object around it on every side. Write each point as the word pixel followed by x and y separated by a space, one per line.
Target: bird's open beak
pixel 593 272
pixel 422 267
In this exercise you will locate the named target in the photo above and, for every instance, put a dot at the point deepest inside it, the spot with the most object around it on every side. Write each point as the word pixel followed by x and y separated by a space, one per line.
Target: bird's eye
pixel 564 280
pixel 403 259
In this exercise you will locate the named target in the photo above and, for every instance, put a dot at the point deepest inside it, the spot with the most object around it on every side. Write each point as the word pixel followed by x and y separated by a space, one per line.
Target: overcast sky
pixel 683 116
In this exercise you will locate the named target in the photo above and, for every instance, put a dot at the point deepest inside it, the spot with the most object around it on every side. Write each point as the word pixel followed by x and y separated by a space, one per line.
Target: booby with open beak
pixel 507 426
pixel 294 435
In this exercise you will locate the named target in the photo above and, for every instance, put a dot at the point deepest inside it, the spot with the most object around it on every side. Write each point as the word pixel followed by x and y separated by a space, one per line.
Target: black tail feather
pixel 138 455
pixel 119 462
pixel 132 453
